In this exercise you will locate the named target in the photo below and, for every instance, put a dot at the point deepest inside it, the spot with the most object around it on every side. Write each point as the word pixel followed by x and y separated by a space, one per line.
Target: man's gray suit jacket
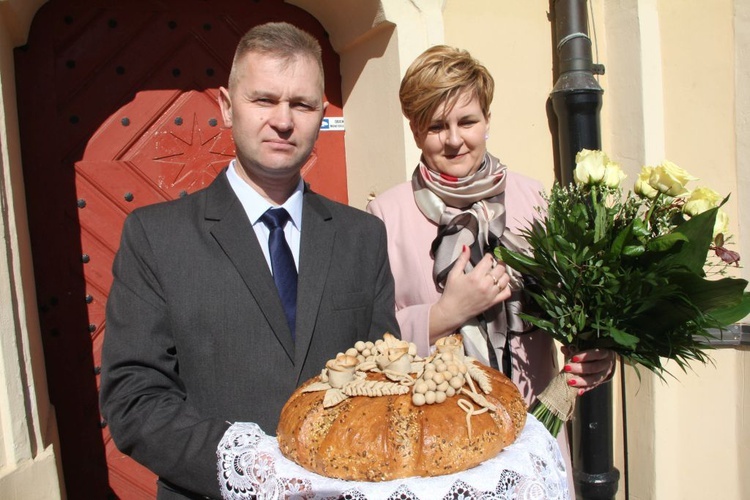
pixel 196 336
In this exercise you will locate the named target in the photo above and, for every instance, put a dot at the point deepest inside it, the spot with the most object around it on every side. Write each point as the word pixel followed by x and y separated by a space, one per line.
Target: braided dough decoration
pixel 372 429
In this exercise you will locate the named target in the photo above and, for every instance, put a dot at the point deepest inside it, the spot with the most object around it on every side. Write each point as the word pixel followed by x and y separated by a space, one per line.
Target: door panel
pixel 118 109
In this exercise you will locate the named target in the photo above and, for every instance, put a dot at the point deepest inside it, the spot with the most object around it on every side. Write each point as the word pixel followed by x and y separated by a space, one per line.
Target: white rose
pixel 721 226
pixel 700 200
pixel 642 187
pixel 670 179
pixel 590 166
pixel 613 175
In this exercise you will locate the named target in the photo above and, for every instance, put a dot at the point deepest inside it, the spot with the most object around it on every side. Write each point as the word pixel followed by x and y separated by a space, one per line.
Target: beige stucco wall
pixel 512 39
pixel 675 87
pixel 28 434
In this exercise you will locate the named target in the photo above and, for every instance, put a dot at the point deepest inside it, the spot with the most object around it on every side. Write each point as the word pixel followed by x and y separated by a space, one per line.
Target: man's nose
pixel 281 117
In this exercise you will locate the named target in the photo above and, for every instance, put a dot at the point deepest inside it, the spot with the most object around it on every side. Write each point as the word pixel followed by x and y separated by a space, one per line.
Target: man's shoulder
pixel 185 203
pixel 168 209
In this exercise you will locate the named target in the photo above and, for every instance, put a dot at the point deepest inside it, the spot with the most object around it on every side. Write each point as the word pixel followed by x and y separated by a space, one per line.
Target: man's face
pixel 275 108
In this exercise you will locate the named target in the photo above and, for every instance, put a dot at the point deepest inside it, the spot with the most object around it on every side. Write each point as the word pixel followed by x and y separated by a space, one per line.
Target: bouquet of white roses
pixel 642 274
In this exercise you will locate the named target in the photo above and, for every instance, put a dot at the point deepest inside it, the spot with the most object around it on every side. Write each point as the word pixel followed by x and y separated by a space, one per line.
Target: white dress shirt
pixel 255 206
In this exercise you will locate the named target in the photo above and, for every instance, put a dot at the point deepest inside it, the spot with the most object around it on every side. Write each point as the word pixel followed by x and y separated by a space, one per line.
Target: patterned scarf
pixel 471 211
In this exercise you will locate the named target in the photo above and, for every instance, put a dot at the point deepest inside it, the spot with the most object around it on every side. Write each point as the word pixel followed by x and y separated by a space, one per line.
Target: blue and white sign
pixel 332 123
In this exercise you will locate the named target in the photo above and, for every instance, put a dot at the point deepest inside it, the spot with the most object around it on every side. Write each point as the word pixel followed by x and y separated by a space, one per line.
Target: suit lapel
pixel 316 250
pixel 234 233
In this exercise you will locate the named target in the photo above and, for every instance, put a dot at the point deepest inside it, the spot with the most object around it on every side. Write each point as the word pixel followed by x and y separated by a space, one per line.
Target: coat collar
pixel 227 217
pixel 316 254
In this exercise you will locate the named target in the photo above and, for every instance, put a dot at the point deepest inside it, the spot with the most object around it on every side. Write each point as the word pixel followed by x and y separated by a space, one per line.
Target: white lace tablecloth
pixel 251 466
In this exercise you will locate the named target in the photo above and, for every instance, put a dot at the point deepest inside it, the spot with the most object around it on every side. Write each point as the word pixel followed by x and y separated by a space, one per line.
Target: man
pixel 198 334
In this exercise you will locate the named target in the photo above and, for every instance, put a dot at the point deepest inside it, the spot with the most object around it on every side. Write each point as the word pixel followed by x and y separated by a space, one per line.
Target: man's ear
pixel 225 104
pixel 323 112
pixel 322 117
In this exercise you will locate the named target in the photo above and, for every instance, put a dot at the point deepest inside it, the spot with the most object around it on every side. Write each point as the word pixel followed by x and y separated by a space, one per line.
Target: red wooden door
pixel 117 108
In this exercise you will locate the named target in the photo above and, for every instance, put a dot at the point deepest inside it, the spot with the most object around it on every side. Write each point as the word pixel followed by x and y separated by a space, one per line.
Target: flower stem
pixel 550 421
pixel 556 403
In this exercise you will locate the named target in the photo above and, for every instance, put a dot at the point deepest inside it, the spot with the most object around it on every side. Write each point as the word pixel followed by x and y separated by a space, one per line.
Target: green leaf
pixel 563 244
pixel 709 295
pixel 619 241
pixel 623 338
pixel 541 324
pixel 518 261
pixel 699 233
pixel 634 250
pixel 640 228
pixel 600 214
pixel 732 314
pixel 664 243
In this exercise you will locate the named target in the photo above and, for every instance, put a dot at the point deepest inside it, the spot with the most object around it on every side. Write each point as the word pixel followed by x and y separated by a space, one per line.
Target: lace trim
pixel 251 466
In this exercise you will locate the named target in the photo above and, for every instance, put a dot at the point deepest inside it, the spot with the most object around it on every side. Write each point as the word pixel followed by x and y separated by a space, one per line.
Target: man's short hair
pixel 282 40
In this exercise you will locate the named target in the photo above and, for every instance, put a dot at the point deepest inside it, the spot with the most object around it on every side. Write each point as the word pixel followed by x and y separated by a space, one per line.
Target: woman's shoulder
pixel 399 191
pixel 523 199
pixel 520 186
pixel 520 181
pixel 393 198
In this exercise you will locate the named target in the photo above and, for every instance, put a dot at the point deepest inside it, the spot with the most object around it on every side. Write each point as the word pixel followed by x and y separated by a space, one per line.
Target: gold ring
pixel 494 280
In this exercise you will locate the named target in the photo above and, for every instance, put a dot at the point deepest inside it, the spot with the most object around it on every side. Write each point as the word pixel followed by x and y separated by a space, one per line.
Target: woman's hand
pixel 468 294
pixel 588 368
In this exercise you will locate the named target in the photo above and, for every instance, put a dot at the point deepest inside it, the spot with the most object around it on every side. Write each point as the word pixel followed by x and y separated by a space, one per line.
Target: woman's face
pixel 454 143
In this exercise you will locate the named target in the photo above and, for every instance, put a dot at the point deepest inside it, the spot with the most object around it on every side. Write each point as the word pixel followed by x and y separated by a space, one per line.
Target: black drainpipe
pixel 577 100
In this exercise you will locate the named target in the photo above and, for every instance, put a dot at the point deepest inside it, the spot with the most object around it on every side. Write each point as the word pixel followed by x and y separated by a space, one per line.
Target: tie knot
pixel 275 217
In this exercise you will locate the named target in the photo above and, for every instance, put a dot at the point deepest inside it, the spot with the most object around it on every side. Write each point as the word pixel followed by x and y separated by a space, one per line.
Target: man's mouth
pixel 280 144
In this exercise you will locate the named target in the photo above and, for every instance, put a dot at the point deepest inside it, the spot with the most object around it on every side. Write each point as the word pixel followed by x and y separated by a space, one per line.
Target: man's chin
pixel 281 163
pixel 283 170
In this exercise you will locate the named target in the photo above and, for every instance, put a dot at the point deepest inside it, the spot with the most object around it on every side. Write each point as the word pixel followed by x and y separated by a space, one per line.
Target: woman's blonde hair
pixel 439 75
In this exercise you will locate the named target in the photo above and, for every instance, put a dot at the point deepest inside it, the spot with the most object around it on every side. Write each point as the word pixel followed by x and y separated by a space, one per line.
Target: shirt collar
pixel 255 205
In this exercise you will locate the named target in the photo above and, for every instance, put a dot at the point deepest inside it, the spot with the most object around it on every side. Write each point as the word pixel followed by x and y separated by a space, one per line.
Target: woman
pixel 443 224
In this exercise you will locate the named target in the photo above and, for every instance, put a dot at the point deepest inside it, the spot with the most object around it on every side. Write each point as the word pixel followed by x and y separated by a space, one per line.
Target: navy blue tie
pixel 282 263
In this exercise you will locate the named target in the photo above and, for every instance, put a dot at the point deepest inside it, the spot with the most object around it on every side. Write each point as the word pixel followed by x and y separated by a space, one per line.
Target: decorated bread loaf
pixel 379 412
